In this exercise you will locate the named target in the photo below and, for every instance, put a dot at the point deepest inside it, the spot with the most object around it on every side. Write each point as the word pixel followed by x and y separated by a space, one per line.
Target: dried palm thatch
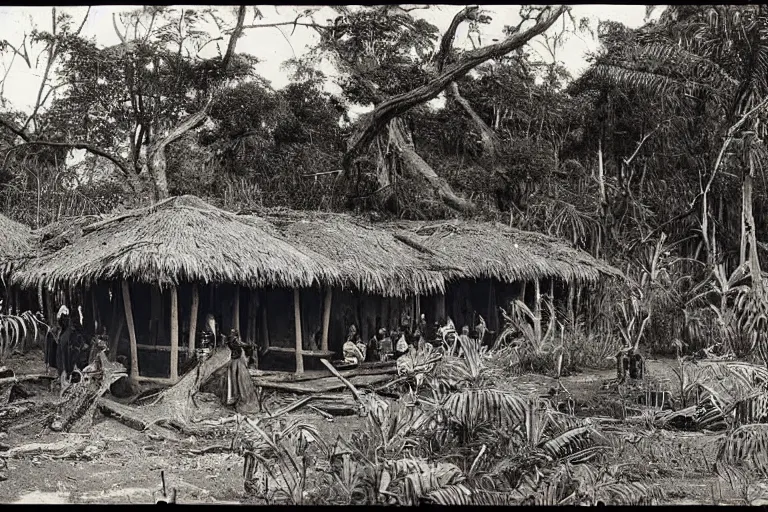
pixel 16 243
pixel 179 239
pixel 493 250
pixel 371 259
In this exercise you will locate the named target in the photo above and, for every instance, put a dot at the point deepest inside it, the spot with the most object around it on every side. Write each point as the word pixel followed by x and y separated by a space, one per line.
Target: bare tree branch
pixel 446 43
pixel 85 18
pixel 295 23
pixel 52 53
pixel 398 105
pixel 236 33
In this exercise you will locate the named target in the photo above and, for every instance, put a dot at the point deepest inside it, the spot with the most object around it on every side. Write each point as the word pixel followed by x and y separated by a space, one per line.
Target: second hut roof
pixel 494 250
pixel 180 239
pixel 370 258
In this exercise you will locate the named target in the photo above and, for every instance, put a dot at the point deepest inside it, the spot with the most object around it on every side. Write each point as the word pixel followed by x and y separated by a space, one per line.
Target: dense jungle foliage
pixel 651 159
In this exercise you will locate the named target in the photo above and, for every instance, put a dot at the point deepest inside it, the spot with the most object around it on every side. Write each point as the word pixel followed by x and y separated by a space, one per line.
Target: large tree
pixel 127 103
pixel 395 61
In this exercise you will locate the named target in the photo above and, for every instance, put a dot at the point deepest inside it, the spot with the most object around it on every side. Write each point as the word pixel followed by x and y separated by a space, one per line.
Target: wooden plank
pixel 155 380
pixel 308 353
pixel 193 319
pixel 154 348
pixel 131 330
pixel 297 326
pixel 174 334
pixel 326 318
pixel 277 376
pixel 321 385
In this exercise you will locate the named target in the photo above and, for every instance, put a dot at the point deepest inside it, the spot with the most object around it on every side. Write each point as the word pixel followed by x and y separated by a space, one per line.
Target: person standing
pixel 239 387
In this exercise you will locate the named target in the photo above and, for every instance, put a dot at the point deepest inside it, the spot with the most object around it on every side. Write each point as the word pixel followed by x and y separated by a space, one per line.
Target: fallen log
pixel 62 449
pixel 126 415
pixel 346 383
pixel 25 378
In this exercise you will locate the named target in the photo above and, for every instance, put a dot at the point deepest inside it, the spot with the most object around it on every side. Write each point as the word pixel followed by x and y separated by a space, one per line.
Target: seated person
pixel 386 347
pixel 354 350
pixel 374 346
pixel 401 346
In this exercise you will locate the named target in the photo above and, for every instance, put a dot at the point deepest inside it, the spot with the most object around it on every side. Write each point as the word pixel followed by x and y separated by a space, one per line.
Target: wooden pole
pixel 297 325
pixel 131 330
pixel 326 317
pixel 249 318
pixel 264 323
pixel 174 334
pixel 236 310
pixel 193 320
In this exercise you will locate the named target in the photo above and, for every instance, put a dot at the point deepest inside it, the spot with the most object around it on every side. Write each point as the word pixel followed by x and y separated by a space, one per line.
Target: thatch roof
pixel 370 258
pixel 493 250
pixel 16 242
pixel 180 239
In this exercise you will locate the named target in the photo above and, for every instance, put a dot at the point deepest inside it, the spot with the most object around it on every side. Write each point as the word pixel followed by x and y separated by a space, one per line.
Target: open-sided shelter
pixel 383 276
pixel 395 271
pixel 494 263
pixel 160 270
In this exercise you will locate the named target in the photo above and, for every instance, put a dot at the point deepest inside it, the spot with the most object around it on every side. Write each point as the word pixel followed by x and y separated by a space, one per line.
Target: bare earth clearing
pixel 123 465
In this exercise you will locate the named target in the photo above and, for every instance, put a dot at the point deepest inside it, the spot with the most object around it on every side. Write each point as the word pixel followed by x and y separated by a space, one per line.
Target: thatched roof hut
pixel 493 250
pixel 179 239
pixel 16 242
pixel 371 259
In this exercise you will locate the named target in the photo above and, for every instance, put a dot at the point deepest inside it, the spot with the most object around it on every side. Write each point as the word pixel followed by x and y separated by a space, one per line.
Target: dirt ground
pixel 124 465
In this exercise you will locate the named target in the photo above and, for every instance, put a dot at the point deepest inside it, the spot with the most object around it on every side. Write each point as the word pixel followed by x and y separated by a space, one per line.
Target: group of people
pixel 385 346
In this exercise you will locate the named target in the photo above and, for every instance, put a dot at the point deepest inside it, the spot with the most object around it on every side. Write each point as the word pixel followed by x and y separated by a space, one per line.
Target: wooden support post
pixel 131 330
pixel 297 325
pixel 236 310
pixel 326 317
pixel 264 323
pixel 193 320
pixel 537 309
pixel 40 300
pixel 440 307
pixel 174 334
pixel 417 308
pixel 248 338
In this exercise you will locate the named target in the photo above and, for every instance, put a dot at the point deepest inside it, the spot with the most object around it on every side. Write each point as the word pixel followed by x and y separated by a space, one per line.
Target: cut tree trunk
pixel 78 403
pixel 175 404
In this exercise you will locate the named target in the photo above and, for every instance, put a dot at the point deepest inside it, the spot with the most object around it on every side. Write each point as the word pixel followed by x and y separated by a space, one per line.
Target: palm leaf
pixel 462 495
pixel 746 445
pixel 473 407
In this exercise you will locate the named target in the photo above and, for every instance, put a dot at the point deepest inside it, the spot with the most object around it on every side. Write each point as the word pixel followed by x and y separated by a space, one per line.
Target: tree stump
pixel 75 410
pixel 629 363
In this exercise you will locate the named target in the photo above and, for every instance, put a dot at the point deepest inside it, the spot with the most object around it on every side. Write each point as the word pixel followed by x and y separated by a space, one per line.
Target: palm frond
pixel 746 446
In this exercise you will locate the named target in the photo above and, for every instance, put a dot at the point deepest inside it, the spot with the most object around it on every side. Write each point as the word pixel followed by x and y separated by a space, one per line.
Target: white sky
pixel 271 45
